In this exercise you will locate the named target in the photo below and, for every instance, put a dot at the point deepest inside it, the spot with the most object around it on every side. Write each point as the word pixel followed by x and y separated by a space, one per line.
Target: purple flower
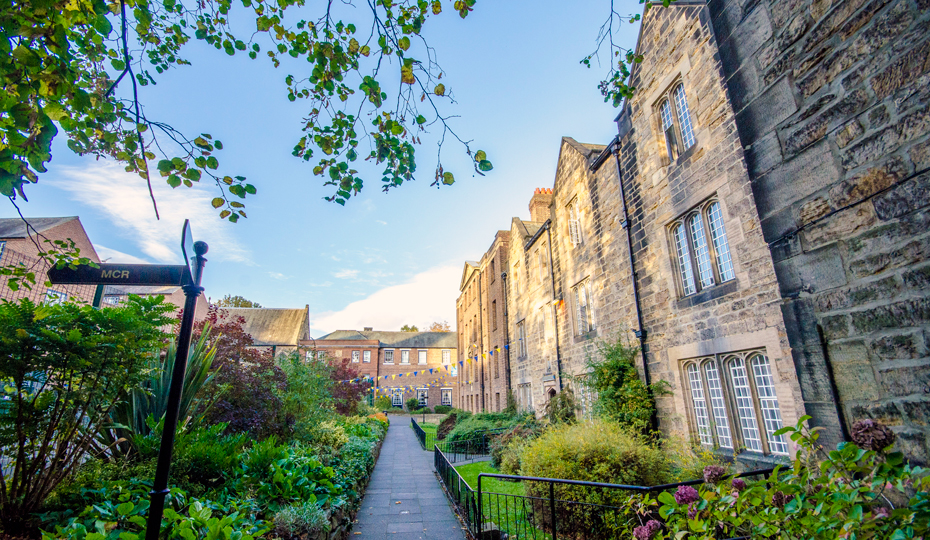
pixel 686 495
pixel 714 473
pixel 881 513
pixel 647 531
pixel 738 484
pixel 870 435
pixel 779 499
pixel 692 511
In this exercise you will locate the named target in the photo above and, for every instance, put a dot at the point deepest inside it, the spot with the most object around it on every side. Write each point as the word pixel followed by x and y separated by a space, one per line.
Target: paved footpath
pixel 404 498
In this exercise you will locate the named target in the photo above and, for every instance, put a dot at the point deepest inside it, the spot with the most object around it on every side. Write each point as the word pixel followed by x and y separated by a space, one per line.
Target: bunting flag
pixel 506 346
pixel 491 353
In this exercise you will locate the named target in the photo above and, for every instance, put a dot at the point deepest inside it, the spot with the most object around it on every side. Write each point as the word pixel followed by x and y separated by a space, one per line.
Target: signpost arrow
pixel 119 274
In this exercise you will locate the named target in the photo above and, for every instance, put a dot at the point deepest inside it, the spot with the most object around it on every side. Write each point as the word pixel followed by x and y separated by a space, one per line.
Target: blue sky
pixel 383 260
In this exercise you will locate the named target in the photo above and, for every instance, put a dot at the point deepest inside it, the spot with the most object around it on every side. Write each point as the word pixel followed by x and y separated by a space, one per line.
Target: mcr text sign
pixel 119 274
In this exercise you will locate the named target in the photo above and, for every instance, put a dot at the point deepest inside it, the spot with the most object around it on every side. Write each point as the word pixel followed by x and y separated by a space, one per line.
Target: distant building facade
pixel 403 365
pixel 21 246
pixel 277 330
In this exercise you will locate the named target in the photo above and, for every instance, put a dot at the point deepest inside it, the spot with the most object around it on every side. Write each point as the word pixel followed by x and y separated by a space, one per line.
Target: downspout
pixel 640 332
pixel 555 312
pixel 481 342
pixel 506 331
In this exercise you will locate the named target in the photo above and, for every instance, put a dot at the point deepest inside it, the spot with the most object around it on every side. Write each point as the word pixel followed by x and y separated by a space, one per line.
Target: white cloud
pixel 124 199
pixel 113 256
pixel 378 221
pixel 278 275
pixel 429 296
pixel 346 273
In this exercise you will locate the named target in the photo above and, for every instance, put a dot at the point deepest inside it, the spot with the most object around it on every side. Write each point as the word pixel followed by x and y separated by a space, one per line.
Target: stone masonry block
pixel 911 253
pixel 903 199
pixel 904 381
pixel 852 372
pixel 917 412
pixel 887 413
pixel 898 347
pixel 796 179
pixel 815 128
pixel 754 30
pixel 913 444
pixel 813 271
pixel 913 312
pixel 767 111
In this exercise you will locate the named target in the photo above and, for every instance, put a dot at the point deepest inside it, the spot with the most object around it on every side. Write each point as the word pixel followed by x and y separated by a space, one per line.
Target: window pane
pixel 768 402
pixel 366 357
pixel 404 357
pixel 717 405
pixel 666 111
pixel 684 260
pixel 699 240
pixel 744 407
pixel 700 407
pixel 718 235
pixel 355 356
pixel 671 144
pixel 421 357
pixel 684 117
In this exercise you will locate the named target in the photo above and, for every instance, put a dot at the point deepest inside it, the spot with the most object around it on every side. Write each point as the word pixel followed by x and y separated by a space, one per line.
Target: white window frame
pixel 422 396
pixel 366 357
pixel 53 297
pixel 732 403
pixel 405 357
pixel 422 356
pixel 356 357
pixel 321 355
pixel 574 223
pixel 446 357
pixel 397 398
pixel 445 396
pixel 389 356
pixel 584 308
pixel 700 249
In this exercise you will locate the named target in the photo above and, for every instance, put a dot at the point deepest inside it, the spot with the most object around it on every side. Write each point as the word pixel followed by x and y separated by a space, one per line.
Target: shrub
pixel 844 493
pixel 560 409
pixel 442 409
pixel 246 398
pixel 63 368
pixel 380 417
pixel 204 457
pixel 507 446
pixel 470 426
pixel 424 410
pixel 328 434
pixel 306 518
pixel 298 476
pixel 383 403
pixel 596 451
pixel 447 425
pixel 258 459
pixel 412 404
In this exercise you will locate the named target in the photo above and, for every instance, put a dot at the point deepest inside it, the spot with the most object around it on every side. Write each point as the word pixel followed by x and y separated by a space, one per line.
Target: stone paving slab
pixel 404 474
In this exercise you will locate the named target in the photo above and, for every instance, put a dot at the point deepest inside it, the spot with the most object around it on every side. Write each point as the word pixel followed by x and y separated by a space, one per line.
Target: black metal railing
pixel 477 446
pixel 528 507
pixel 551 508
pixel 426 439
pixel 457 489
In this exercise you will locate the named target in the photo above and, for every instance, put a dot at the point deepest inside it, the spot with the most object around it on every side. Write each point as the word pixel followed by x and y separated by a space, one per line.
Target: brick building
pixel 482 332
pixel 402 364
pixel 759 224
pixel 21 247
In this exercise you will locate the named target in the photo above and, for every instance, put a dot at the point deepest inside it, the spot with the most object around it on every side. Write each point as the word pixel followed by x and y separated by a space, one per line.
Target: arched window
pixel 676 122
pixel 684 116
pixel 700 236
pixel 768 401
pixel 718 405
pixel 744 405
pixel 700 405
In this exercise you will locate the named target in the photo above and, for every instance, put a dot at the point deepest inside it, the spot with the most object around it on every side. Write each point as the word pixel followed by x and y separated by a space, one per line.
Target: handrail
pixel 626 487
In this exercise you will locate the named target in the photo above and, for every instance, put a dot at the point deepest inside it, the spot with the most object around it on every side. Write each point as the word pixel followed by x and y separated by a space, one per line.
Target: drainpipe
pixel 506 332
pixel 555 312
pixel 639 332
pixel 481 342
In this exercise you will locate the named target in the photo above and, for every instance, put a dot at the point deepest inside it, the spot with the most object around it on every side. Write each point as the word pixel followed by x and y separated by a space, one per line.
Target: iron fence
pixel 426 439
pixel 477 446
pixel 535 508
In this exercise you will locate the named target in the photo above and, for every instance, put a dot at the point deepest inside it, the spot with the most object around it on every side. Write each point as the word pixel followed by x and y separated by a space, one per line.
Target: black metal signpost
pixel 143 274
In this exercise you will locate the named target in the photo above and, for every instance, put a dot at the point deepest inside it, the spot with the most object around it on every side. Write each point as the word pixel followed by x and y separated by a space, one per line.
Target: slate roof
pixel 413 340
pixel 15 228
pixel 273 326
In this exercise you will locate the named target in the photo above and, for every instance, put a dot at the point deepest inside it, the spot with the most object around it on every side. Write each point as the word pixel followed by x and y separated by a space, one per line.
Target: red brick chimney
pixel 539 204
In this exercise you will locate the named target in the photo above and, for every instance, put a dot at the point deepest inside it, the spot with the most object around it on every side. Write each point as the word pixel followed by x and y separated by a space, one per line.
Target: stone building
pixel 402 365
pixel 759 225
pixel 481 312
pixel 831 102
pixel 21 247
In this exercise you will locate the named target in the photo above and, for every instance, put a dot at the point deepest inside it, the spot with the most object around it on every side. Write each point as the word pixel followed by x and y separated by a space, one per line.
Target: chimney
pixel 369 329
pixel 539 204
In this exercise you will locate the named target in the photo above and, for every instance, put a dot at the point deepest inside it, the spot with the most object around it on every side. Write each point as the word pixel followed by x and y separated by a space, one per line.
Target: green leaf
pixel 440 89
pixel 480 155
pixel 165 166
pixel 217 202
pixel 174 181
pixel 125 508
pixel 485 165
pixel 403 43
pixel 667 498
pixel 448 179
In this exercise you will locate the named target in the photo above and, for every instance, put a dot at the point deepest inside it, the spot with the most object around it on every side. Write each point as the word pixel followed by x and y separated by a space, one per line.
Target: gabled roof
pixel 273 326
pixel 467 271
pixel 15 228
pixel 412 340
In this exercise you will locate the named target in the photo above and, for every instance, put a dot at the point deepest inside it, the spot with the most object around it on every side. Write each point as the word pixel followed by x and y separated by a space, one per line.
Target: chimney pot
pixel 369 329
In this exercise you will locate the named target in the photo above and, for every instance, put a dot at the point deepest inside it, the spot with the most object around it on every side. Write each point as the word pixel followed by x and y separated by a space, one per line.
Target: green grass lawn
pixel 508 513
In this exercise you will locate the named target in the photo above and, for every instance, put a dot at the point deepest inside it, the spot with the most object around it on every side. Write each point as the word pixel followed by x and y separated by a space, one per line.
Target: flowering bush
pixel 850 492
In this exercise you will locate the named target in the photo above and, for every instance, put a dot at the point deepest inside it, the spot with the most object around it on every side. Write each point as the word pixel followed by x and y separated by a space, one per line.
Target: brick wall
pixel 831 101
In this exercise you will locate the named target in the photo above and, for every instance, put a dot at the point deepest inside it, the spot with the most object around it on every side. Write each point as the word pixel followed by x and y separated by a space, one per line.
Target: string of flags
pixel 447 368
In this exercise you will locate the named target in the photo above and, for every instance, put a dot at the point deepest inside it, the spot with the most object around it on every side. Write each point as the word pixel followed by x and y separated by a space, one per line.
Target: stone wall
pixel 731 315
pixel 832 109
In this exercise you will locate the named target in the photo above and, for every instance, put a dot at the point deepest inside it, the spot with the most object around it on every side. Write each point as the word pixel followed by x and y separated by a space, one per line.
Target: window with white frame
pixel 733 403
pixel 446 357
pixel 366 357
pixel 422 396
pixel 111 300
pixel 389 356
pixel 2 247
pixel 53 297
pixel 676 122
pixel 584 314
pixel 356 356
pixel 521 339
pixel 702 253
pixel 321 355
pixel 574 223
pixel 309 355
pixel 405 356
pixel 446 396
pixel 397 398
pixel 421 357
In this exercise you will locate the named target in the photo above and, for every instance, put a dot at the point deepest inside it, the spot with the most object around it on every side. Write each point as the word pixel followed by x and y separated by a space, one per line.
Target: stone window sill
pixel 707 294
